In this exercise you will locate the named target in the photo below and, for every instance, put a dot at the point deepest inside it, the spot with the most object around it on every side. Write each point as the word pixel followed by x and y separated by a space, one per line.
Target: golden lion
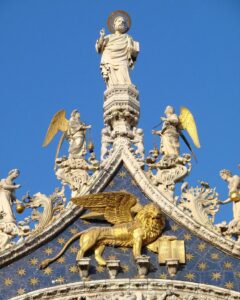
pixel 117 208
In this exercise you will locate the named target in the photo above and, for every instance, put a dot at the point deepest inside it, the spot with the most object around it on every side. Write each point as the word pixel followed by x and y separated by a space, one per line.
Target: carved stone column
pixel 121 109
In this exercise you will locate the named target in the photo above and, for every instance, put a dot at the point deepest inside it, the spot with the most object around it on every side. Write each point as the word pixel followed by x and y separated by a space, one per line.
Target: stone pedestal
pixel 143 263
pixel 83 267
pixel 113 267
pixel 121 108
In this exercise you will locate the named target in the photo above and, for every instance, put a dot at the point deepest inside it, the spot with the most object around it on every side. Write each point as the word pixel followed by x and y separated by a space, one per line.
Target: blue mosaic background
pixel 205 263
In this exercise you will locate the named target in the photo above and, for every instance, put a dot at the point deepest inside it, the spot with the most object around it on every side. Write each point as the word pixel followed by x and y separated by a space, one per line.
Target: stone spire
pixel 121 99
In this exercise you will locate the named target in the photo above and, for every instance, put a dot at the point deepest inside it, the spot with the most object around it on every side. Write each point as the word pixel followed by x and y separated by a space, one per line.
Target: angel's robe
pixel 170 136
pixel 119 53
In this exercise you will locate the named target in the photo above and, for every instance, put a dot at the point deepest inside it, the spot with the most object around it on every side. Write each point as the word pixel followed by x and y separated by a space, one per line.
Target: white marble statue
pixel 76 135
pixel 8 226
pixel 170 133
pixel 172 128
pixel 234 197
pixel 119 51
pixel 74 130
pixel 138 142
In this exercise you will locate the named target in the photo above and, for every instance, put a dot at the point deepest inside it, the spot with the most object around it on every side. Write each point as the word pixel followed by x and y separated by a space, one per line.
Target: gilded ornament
pixel 128 231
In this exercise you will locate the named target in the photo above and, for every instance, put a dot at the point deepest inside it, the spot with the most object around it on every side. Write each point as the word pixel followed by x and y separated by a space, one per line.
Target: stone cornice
pixel 106 289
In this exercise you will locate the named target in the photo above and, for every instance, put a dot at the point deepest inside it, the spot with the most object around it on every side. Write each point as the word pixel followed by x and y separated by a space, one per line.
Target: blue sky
pixel 190 56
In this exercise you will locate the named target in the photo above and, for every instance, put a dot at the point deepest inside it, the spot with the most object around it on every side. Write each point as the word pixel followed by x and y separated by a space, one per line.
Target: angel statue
pixel 172 128
pixel 134 225
pixel 74 130
pixel 119 51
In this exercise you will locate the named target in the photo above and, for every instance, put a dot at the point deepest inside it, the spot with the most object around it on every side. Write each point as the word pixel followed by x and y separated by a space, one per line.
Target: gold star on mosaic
pixel 47 271
pixel 99 269
pixel 33 281
pixel 48 251
pixel 122 174
pixel 60 279
pixel 20 291
pixel 133 182
pixel 190 276
pixel 8 281
pixel 125 268
pixel 73 249
pixel 61 260
pixel 215 256
pixel 21 271
pixel 73 269
pixel 229 285
pixel 227 265
pixel 61 241
pixel 111 184
pixel 202 247
pixel 216 276
pixel 123 249
pixel 112 257
pixel 33 261
pixel 202 266
pixel 189 256
pixel 73 230
pixel 174 227
pixel 163 276
pixel 187 237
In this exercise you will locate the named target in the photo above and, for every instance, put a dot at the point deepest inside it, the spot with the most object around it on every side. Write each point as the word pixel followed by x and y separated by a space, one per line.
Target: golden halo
pixel 114 15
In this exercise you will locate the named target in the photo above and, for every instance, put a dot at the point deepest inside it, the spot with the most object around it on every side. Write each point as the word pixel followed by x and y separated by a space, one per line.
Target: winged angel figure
pixel 134 225
pixel 73 130
pixel 172 128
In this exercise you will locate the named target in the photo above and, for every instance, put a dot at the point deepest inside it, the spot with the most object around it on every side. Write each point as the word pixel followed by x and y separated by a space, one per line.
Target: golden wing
pixel 114 206
pixel 58 123
pixel 187 122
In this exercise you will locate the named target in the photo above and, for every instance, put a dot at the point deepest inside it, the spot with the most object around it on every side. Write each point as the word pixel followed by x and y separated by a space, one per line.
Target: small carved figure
pixel 138 142
pixel 234 197
pixel 119 51
pixel 107 141
pixel 172 129
pixel 74 130
pixel 128 231
pixel 8 226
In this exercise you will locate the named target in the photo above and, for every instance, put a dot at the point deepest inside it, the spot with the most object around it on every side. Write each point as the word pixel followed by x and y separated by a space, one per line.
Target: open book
pixel 171 250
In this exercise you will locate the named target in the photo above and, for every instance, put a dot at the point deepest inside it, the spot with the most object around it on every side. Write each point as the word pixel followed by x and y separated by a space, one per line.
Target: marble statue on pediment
pixel 119 51
pixel 234 198
pixel 8 224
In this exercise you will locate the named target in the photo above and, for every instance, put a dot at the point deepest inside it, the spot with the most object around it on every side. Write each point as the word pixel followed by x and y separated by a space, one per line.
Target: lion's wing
pixel 115 206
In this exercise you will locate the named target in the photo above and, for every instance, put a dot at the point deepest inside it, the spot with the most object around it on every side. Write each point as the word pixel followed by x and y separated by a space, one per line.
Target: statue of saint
pixel 119 51
pixel 170 133
pixel 234 197
pixel 8 227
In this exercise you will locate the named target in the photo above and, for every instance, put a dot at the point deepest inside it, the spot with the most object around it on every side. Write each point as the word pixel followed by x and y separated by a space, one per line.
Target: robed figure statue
pixel 119 51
